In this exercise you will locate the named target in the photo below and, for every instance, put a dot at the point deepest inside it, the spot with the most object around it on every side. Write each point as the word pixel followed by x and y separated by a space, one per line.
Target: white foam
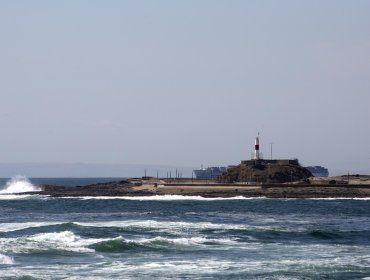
pixel 14 196
pixel 65 240
pixel 341 198
pixel 192 241
pixel 168 198
pixel 277 259
pixel 19 184
pixel 6 259
pixel 23 197
pixel 176 228
pixel 211 266
pixel 179 227
pixel 8 227
pixel 165 225
pixel 160 226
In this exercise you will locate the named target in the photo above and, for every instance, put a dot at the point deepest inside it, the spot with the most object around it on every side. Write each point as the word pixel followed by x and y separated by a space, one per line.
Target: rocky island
pixel 266 171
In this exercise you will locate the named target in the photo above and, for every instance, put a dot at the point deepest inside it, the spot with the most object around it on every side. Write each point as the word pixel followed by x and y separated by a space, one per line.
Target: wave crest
pixel 119 244
pixel 116 245
pixel 6 259
pixel 19 184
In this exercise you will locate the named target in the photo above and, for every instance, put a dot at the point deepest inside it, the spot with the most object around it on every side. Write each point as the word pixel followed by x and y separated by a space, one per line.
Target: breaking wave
pixel 58 243
pixel 113 246
pixel 19 184
pixel 51 243
pixel 119 244
pixel 6 259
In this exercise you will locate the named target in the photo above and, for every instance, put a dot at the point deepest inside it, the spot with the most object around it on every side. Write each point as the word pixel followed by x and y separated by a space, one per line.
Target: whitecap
pixel 166 225
pixel 65 240
pixel 191 241
pixel 6 259
pixel 22 197
pixel 168 198
pixel 178 227
pixel 8 227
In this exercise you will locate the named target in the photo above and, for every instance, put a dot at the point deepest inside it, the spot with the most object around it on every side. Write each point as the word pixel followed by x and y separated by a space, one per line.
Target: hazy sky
pixel 185 82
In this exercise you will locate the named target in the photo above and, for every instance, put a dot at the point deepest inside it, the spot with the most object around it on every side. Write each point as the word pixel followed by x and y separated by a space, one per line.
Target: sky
pixel 185 83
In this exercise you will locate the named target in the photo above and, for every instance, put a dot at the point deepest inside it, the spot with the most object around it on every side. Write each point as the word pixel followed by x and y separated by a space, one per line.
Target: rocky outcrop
pixel 266 171
pixel 119 188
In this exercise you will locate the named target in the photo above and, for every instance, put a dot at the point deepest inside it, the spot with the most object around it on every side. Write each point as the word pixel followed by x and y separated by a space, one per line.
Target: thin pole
pixel 271 151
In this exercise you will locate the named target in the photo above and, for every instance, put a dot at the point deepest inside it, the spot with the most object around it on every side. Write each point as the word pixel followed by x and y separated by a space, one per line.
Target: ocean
pixel 176 237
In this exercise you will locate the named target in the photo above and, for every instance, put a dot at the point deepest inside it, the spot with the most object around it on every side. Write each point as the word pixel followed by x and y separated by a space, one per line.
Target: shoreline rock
pixel 127 188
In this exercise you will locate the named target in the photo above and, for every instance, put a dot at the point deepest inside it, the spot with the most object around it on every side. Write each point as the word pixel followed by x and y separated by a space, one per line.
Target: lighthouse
pixel 257 148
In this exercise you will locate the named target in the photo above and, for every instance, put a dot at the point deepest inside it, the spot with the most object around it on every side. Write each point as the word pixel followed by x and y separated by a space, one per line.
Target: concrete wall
pixel 274 161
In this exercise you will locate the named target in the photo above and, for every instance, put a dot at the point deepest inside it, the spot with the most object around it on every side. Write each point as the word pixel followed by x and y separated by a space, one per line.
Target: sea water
pixel 175 237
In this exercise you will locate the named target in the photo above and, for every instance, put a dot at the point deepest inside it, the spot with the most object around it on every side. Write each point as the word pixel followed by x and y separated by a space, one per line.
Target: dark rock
pixel 266 171
pixel 100 189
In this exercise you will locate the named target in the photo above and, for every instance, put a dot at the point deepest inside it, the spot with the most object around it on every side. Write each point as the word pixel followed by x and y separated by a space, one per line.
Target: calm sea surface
pixel 174 237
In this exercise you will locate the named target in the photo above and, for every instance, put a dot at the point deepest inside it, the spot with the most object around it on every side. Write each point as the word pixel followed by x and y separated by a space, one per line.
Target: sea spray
pixel 19 184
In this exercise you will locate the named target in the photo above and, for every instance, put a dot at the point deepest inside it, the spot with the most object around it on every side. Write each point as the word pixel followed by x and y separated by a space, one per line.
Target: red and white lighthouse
pixel 257 148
